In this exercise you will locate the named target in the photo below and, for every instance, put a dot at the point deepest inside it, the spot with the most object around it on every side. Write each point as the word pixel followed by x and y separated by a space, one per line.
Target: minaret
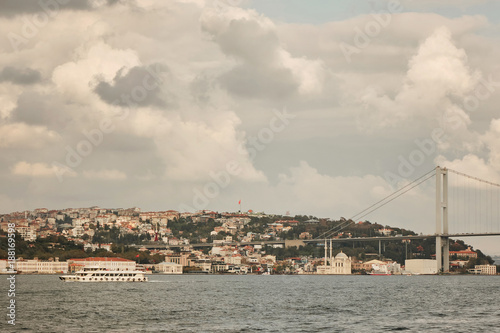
pixel 331 257
pixel 325 252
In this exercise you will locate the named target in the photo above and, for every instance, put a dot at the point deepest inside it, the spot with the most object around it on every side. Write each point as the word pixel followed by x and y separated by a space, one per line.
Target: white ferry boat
pixel 98 274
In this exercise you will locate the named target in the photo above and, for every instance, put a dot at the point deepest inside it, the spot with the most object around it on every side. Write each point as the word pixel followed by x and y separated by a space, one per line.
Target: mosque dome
pixel 341 255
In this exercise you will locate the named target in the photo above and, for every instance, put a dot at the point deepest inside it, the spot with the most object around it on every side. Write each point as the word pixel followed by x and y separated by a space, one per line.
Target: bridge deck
pixel 335 240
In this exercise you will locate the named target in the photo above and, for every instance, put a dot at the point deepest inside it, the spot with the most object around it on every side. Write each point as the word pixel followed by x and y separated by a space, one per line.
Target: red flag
pixel 137 256
pixel 239 202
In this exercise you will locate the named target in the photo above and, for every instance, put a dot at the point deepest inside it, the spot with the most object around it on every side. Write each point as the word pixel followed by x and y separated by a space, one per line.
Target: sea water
pixel 251 303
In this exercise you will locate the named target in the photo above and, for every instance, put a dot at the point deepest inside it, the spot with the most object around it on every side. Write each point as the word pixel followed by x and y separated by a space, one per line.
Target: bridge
pixel 474 204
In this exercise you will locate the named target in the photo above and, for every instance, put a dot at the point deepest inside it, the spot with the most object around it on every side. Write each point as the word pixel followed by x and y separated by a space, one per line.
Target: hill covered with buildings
pixel 234 238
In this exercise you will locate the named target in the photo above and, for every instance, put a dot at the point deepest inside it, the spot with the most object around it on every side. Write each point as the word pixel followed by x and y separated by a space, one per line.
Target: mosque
pixel 340 264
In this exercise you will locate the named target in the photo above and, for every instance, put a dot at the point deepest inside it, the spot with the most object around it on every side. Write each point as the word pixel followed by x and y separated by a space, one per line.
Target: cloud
pixel 105 174
pixel 437 76
pixel 323 192
pixel 97 60
pixel 24 168
pixel 192 149
pixel 35 108
pixel 15 7
pixel 485 166
pixel 265 69
pixel 23 136
pixel 429 4
pixel 22 76
pixel 229 67
pixel 139 84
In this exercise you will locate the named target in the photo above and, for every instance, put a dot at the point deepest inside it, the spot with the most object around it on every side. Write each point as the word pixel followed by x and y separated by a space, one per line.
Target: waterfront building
pixel 41 266
pixel 219 266
pixel 421 266
pixel 4 264
pixel 484 269
pixel 169 268
pixel 113 264
pixel 340 264
pixel 204 264
pixel 182 259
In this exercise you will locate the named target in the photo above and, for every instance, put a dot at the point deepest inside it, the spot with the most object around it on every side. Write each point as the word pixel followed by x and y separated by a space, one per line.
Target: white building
pixel 93 247
pixel 394 268
pixel 27 233
pixel 204 264
pixel 115 264
pixel 78 231
pixel 484 269
pixel 233 260
pixel 169 268
pixel 421 266
pixel 340 264
pixel 4 264
pixel 41 267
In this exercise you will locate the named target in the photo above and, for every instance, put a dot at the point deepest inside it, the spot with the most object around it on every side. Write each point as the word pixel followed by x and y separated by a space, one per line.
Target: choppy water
pixel 258 303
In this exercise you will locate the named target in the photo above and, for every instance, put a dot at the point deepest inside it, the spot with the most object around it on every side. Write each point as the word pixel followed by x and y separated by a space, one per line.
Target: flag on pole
pixel 137 256
pixel 239 202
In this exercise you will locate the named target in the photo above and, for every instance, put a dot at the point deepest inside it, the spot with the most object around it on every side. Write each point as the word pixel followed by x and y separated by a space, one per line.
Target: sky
pixel 301 107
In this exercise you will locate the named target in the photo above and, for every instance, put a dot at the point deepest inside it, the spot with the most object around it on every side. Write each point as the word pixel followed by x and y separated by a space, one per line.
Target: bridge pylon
pixel 442 240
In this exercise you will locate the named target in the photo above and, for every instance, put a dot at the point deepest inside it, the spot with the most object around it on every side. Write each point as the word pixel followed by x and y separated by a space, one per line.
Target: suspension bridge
pixel 466 206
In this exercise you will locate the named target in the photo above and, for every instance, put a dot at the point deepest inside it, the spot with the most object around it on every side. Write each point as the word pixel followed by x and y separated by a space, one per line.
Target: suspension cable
pixel 396 195
pixel 475 178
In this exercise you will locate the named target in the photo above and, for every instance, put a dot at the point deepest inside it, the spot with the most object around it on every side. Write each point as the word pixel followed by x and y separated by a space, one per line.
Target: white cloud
pixel 24 168
pixel 228 68
pixel 437 74
pixel 307 188
pixel 488 167
pixel 98 60
pixel 23 136
pixel 429 4
pixel 105 174
pixel 252 39
pixel 192 149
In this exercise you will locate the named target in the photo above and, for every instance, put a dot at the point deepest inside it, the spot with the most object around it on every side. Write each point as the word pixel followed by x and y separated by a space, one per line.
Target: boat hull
pixel 102 275
pixel 71 278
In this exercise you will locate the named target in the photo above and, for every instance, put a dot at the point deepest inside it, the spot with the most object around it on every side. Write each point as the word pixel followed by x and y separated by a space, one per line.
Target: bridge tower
pixel 442 240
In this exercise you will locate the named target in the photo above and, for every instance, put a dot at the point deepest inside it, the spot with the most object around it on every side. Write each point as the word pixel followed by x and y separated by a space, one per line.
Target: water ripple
pixel 259 304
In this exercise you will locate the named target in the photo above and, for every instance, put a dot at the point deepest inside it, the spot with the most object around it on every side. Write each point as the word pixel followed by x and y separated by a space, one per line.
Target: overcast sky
pixel 307 107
